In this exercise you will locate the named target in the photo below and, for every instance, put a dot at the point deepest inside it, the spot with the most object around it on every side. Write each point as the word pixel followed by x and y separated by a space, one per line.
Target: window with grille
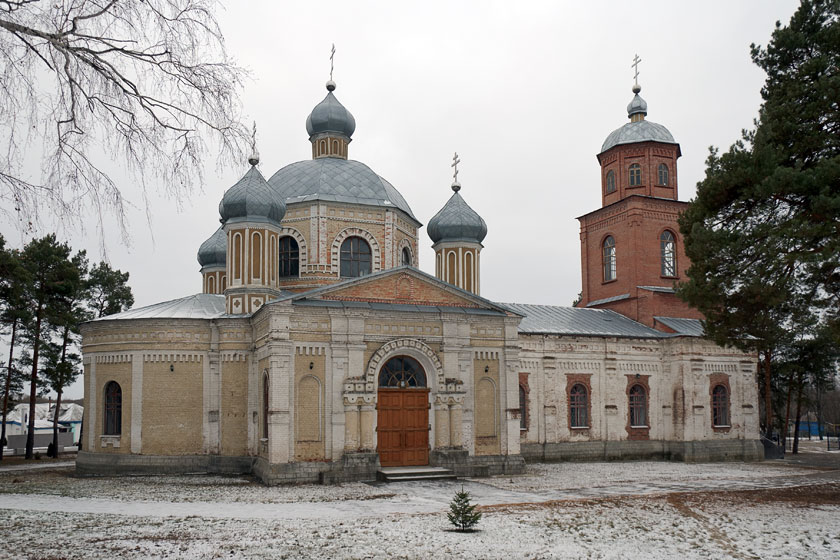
pixel 403 372
pixel 668 254
pixel 638 407
pixel 113 409
pixel 610 181
pixel 635 175
pixel 355 257
pixel 289 257
pixel 578 407
pixel 720 406
pixel 609 259
pixel 663 174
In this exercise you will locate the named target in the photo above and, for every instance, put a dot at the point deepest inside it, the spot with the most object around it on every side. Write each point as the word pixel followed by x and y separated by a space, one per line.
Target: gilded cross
pixel 332 54
pixel 635 66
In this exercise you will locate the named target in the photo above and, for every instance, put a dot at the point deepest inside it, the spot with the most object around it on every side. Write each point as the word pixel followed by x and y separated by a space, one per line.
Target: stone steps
pixel 402 474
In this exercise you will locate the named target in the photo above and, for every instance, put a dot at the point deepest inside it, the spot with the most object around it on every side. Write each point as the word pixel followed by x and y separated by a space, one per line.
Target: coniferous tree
pixel 52 277
pixel 108 290
pixel 763 233
pixel 462 513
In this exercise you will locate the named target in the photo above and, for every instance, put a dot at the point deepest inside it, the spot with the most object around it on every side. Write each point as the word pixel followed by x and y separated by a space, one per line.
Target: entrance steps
pixel 402 474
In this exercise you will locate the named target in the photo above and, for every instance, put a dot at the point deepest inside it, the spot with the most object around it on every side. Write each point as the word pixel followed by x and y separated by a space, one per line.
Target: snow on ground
pixel 592 510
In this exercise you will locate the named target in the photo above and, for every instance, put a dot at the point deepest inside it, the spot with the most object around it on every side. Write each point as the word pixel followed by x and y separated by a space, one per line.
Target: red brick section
pixel 716 379
pixel 584 379
pixel 635 223
pixel 648 155
pixel 399 288
pixel 638 433
pixel 523 382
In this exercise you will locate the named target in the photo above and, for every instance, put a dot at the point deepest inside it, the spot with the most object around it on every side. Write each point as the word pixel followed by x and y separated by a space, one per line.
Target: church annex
pixel 318 351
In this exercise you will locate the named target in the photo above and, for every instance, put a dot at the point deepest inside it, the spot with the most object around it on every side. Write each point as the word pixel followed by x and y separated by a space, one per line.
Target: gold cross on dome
pixel 635 66
pixel 455 162
pixel 332 54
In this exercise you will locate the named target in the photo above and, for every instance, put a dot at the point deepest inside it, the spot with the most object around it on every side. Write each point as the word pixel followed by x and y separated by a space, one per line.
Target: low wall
pixel 88 463
pixel 656 450
pixel 18 442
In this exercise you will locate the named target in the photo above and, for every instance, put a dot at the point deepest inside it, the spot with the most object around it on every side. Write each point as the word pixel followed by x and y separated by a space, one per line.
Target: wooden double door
pixel 403 427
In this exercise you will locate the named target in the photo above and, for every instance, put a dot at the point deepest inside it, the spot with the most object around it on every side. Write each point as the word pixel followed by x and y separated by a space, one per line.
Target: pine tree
pixel 462 513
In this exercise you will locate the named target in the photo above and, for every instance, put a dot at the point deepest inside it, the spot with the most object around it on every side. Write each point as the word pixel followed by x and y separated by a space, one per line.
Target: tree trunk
pixel 819 411
pixel 768 400
pixel 798 413
pixel 33 383
pixel 59 389
pixel 787 408
pixel 55 423
pixel 8 387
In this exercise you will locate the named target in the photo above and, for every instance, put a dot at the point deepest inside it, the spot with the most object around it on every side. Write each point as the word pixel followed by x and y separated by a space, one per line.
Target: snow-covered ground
pixel 570 510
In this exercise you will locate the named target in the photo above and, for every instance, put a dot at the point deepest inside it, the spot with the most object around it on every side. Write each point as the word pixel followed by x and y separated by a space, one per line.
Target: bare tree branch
pixel 146 84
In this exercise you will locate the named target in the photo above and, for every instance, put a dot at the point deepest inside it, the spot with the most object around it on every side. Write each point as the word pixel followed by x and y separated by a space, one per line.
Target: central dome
pixel 336 180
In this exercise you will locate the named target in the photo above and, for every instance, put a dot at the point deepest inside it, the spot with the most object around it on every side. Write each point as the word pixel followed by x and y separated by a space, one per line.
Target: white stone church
pixel 318 351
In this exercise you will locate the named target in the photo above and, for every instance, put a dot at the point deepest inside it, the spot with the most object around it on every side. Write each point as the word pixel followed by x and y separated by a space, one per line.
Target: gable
pixel 403 288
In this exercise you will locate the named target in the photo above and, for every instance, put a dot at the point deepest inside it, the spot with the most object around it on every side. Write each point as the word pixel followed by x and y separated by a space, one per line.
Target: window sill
pixel 109 441
pixel 609 281
pixel 721 427
pixel 669 277
pixel 579 427
pixel 639 427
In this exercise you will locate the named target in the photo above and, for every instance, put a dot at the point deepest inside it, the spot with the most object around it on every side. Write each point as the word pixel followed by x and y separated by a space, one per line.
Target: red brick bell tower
pixel 632 254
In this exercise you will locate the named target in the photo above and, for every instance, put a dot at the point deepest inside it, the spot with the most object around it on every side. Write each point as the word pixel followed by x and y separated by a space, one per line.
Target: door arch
pixel 402 413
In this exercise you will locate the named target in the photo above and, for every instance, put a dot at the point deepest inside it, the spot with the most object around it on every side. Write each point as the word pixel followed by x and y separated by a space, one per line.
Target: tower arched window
pixel 406 256
pixel 355 257
pixel 578 407
pixel 289 257
pixel 635 175
pixel 112 425
pixel 663 174
pixel 609 259
pixel 638 407
pixel 720 406
pixel 668 254
pixel 610 181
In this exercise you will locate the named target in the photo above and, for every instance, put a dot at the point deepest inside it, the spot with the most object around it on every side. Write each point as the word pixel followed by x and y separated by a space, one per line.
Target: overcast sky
pixel 525 92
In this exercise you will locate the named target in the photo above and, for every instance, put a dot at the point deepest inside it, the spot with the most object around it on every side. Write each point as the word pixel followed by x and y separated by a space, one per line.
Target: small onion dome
pixel 213 252
pixel 330 116
pixel 637 105
pixel 252 200
pixel 456 221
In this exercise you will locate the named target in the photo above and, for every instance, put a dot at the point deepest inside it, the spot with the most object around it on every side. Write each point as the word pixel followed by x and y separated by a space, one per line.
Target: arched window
pixel 720 406
pixel 523 409
pixel 635 175
pixel 578 407
pixel 610 181
pixel 609 259
pixel 402 372
pixel 638 407
pixel 355 257
pixel 289 257
pixel 113 409
pixel 256 255
pixel 265 406
pixel 406 256
pixel 663 174
pixel 668 254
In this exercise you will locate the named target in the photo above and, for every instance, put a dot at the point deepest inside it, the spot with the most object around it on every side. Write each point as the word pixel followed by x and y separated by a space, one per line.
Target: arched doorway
pixel 403 413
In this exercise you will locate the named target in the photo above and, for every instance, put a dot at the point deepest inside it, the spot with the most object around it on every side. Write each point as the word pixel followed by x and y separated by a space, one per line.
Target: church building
pixel 318 351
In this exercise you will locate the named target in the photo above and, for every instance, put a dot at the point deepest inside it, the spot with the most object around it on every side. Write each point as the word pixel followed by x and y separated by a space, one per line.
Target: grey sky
pixel 525 92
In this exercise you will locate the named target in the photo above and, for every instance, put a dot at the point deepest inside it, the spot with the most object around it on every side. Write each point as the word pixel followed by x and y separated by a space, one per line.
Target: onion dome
pixel 213 252
pixel 638 129
pixel 330 117
pixel 252 200
pixel 456 221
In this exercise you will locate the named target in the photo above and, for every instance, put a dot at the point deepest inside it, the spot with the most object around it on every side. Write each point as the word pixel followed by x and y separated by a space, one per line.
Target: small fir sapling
pixel 462 514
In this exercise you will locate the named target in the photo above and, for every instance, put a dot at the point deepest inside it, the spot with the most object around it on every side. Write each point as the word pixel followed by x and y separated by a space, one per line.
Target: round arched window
pixel 663 174
pixel 402 372
pixel 289 257
pixel 668 254
pixel 610 181
pixel 609 259
pixel 355 257
pixel 635 175
pixel 406 256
